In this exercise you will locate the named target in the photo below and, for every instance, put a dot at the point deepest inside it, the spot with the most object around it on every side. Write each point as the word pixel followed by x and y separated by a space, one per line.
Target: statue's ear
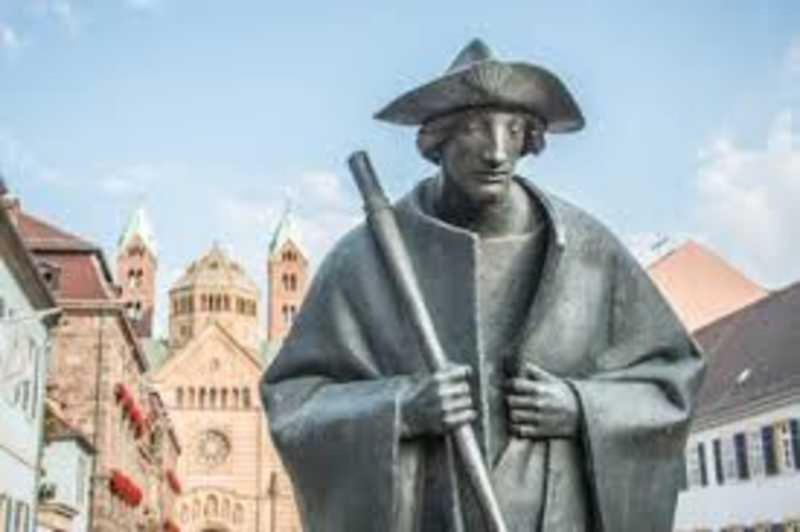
pixel 535 142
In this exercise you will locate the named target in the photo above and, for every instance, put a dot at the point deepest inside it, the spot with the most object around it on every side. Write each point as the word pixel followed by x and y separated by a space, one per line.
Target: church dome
pixel 214 289
pixel 216 269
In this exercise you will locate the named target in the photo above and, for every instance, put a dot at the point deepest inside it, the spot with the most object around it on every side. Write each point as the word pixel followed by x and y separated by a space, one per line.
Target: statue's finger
pixel 522 386
pixel 460 372
pixel 524 416
pixel 522 401
pixel 459 418
pixel 459 403
pixel 535 372
pixel 525 430
pixel 453 389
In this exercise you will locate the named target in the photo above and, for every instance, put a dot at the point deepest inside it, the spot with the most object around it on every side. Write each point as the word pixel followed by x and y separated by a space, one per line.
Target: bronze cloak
pixel 595 319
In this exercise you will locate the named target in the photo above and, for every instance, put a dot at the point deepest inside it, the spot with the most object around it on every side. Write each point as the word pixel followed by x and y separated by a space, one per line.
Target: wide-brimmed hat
pixel 477 79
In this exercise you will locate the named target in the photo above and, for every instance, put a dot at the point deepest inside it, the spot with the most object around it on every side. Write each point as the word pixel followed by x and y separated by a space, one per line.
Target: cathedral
pixel 208 370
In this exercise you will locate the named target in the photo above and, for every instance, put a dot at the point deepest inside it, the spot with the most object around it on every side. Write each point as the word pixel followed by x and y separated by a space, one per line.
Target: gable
pixel 212 357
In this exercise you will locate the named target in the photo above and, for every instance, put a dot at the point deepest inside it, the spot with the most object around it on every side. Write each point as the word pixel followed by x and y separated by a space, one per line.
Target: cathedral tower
pixel 137 264
pixel 287 276
pixel 214 288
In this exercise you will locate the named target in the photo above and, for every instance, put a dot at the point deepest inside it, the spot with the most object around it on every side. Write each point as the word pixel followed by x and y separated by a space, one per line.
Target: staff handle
pixel 383 224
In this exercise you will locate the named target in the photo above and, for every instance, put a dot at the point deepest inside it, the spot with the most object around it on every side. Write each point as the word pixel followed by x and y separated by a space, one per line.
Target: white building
pixel 743 454
pixel 26 312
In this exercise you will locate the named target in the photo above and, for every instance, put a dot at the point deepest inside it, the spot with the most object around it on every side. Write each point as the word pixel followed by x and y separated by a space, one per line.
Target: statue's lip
pixel 492 176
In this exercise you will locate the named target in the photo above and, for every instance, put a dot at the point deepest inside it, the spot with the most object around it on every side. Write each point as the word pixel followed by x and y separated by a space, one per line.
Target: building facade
pixel 67 462
pixel 98 375
pixel 26 314
pixel 743 454
pixel 232 477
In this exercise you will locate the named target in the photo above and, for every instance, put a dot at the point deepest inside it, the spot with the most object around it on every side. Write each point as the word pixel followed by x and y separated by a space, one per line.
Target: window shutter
pixel 795 425
pixel 768 447
pixel 740 441
pixel 718 462
pixel 701 455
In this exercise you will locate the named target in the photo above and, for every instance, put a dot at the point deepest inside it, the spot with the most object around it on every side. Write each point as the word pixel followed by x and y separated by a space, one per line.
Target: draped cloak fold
pixel 594 319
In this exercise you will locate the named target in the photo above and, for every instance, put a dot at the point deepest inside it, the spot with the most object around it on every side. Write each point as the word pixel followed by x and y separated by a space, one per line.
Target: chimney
pixel 9 202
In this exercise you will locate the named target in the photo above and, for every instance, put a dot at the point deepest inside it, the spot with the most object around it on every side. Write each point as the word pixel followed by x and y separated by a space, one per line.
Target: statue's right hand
pixel 437 403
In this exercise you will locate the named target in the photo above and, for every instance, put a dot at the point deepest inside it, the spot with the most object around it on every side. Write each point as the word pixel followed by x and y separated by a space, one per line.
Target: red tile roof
pixel 83 272
pixel 80 275
pixel 700 286
pixel 39 234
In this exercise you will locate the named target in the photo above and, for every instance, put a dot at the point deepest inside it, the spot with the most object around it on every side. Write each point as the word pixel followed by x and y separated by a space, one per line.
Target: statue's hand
pixel 541 405
pixel 437 403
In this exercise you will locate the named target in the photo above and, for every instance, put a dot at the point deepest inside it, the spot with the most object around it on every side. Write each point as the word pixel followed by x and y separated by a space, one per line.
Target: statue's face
pixel 479 158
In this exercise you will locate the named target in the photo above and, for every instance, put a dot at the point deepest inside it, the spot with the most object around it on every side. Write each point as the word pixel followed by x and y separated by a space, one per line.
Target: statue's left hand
pixel 541 405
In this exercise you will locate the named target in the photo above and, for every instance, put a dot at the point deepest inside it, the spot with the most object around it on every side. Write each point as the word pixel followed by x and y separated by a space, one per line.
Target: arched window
pixel 212 506
pixel 217 302
pixel 293 282
pixel 202 398
pixel 285 311
pixel 191 397
pixel 212 398
pixel 179 397
pixel 285 281
pixel 226 508
pixel 203 302
pixel 223 398
pixel 227 302
pixel 246 398
pixel 235 394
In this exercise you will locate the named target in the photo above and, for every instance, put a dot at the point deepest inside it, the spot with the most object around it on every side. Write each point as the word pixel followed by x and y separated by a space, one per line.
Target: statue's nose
pixel 496 151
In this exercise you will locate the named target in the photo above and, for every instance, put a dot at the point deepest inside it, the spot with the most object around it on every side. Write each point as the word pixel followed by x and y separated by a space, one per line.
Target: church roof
pixel 156 351
pixel 700 286
pixel 216 269
pixel 139 225
pixel 285 231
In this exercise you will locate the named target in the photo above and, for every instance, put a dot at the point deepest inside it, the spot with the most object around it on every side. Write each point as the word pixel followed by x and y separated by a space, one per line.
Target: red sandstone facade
pixel 97 373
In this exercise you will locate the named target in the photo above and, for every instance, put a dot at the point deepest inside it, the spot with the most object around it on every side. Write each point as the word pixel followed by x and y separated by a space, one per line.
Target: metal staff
pixel 387 235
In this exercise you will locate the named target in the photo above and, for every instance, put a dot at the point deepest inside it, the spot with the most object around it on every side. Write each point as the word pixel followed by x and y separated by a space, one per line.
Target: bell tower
pixel 287 277
pixel 137 264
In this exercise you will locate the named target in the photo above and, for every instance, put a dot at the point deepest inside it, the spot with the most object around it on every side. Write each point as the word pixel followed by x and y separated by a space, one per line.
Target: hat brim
pixel 490 83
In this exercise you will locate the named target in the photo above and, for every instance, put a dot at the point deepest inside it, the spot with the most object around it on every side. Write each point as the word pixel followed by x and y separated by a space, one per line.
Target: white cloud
pixel 749 199
pixel 62 11
pixel 9 40
pixel 324 209
pixel 138 180
pixel 18 164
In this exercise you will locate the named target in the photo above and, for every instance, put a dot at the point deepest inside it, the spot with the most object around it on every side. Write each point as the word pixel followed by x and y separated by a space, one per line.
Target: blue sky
pixel 213 113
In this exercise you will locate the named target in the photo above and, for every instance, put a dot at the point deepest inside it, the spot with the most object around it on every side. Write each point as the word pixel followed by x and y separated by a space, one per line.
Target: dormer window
pixel 51 275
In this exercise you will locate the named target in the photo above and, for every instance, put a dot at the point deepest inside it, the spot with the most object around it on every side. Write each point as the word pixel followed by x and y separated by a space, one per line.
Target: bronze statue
pixel 491 358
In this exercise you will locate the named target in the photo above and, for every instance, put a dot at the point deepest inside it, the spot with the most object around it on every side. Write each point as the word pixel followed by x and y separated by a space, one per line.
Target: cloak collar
pixel 418 203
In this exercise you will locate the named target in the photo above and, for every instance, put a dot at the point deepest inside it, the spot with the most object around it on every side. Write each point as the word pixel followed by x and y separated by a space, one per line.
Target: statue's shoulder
pixel 580 230
pixel 353 253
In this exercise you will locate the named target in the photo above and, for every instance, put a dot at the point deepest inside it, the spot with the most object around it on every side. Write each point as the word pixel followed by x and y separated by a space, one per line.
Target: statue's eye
pixel 472 126
pixel 515 129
